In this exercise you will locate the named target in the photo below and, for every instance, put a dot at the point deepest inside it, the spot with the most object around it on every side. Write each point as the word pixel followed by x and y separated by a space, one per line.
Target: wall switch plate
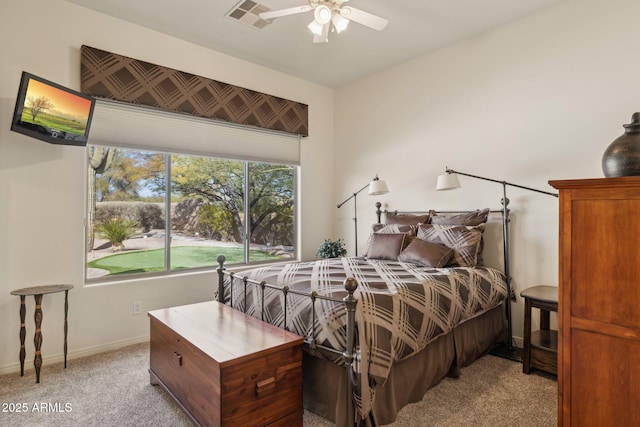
pixel 137 307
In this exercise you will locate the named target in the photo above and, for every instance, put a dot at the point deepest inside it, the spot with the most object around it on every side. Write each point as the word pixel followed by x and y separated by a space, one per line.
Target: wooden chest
pixel 225 368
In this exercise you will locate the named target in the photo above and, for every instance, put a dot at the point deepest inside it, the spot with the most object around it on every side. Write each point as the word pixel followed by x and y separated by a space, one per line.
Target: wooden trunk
pixel 599 302
pixel 225 368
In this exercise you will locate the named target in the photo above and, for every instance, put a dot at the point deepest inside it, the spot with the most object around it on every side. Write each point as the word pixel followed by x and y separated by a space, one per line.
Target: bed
pixel 383 328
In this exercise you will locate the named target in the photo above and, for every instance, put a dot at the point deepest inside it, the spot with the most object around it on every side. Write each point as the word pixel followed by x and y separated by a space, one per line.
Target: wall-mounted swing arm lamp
pixel 449 181
pixel 376 187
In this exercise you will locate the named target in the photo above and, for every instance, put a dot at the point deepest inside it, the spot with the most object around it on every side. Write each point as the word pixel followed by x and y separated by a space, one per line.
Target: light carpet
pixel 112 389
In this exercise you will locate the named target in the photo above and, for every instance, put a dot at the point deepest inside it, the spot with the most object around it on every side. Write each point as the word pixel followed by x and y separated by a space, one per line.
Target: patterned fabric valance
pixel 112 76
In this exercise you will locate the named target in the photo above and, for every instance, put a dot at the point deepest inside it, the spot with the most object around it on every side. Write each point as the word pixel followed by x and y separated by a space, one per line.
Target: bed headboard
pixel 379 212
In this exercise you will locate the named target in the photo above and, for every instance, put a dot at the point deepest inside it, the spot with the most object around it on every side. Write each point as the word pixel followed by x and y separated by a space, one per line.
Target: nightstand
pixel 540 347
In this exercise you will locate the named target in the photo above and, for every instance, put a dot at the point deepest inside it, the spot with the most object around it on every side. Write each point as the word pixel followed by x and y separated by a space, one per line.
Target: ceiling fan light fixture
pixel 328 16
pixel 315 27
pixel 322 14
pixel 340 23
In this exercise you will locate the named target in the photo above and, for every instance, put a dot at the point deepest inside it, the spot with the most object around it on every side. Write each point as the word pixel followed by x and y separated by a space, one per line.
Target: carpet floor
pixel 112 389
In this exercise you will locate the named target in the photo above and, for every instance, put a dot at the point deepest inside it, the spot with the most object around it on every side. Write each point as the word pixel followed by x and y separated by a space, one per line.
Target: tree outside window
pixel 244 210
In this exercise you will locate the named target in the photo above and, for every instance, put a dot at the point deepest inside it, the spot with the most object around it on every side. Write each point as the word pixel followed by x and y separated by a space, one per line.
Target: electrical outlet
pixel 137 307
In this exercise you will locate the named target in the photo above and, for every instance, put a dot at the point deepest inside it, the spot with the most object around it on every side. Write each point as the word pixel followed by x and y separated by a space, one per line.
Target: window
pixel 244 210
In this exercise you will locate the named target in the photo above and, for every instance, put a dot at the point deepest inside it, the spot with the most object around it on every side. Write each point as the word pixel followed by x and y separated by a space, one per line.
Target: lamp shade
pixel 315 27
pixel 378 187
pixel 340 23
pixel 448 181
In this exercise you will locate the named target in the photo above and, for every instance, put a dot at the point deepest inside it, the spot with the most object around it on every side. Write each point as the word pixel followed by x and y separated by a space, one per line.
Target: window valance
pixel 112 76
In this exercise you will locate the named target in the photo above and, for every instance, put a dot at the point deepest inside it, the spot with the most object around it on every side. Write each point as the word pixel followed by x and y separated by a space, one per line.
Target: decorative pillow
pixel 386 246
pixel 463 240
pixel 470 218
pixel 409 230
pixel 405 219
pixel 426 253
pixel 476 217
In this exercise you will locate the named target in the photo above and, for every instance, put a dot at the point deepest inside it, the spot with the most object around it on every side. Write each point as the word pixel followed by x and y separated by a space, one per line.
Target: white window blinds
pixel 119 124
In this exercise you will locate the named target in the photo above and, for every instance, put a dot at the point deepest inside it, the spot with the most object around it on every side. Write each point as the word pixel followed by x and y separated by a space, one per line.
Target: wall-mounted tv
pixel 52 113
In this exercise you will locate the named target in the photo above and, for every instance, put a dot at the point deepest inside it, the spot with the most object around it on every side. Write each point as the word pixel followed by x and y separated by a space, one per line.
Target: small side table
pixel 37 292
pixel 540 347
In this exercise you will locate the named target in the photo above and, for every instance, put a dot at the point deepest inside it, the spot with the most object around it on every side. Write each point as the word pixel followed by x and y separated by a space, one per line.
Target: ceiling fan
pixel 328 14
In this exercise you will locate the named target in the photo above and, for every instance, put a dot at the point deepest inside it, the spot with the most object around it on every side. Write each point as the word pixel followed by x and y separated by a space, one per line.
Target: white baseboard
pixel 88 351
pixel 74 354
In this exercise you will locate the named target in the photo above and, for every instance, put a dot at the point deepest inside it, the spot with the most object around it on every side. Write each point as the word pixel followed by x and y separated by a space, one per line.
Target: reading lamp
pixel 449 181
pixel 376 188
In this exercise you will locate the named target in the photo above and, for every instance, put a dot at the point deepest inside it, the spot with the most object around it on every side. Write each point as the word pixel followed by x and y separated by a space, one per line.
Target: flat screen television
pixel 52 113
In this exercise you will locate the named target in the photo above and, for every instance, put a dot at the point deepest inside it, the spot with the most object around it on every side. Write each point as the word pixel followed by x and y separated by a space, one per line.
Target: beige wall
pixel 42 190
pixel 535 100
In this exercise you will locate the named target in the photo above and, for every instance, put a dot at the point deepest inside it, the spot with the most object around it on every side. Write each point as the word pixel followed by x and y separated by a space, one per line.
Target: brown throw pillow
pixel 426 254
pixel 463 240
pixel 476 217
pixel 409 230
pixel 470 218
pixel 386 246
pixel 405 219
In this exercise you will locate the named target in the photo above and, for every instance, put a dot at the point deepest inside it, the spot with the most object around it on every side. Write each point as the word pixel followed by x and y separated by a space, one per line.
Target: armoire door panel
pixel 605 280
pixel 604 380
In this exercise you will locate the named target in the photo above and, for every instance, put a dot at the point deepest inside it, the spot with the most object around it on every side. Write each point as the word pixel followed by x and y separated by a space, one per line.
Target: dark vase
pixel 622 156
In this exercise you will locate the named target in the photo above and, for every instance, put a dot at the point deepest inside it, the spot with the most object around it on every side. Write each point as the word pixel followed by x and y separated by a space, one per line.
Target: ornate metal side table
pixel 38 292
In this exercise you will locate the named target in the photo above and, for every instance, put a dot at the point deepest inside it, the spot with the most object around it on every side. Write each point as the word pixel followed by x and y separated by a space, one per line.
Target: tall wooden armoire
pixel 599 302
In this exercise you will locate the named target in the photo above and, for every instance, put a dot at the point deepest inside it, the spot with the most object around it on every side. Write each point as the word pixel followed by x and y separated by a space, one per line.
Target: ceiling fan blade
pixel 324 37
pixel 365 18
pixel 284 12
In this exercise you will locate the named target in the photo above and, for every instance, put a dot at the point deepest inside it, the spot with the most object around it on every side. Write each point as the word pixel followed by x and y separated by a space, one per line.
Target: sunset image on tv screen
pixel 55 109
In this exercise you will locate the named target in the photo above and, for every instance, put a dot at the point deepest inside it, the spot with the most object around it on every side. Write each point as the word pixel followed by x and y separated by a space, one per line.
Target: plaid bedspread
pixel 401 307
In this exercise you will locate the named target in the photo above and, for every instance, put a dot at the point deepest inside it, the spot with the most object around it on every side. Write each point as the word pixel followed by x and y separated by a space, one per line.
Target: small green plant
pixel 116 230
pixel 332 249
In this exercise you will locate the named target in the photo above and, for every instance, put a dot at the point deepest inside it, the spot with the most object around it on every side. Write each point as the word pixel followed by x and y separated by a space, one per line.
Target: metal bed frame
pixel 350 302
